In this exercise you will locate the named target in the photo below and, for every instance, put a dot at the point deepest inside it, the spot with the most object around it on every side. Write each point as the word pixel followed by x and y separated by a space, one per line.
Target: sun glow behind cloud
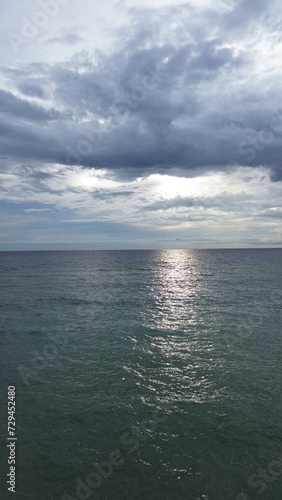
pixel 171 187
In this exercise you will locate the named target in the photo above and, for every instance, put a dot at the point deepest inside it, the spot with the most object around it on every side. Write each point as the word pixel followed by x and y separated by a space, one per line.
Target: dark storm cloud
pixel 167 97
pixel 211 57
pixel 21 109
pixel 31 90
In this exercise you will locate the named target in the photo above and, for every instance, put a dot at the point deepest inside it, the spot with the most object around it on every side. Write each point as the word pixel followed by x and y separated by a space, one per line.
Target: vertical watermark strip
pixel 11 481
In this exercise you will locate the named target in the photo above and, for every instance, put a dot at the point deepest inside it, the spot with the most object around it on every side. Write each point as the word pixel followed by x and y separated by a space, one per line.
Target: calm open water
pixel 173 358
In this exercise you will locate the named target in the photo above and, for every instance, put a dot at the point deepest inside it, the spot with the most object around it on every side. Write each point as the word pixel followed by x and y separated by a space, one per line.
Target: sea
pixel 141 375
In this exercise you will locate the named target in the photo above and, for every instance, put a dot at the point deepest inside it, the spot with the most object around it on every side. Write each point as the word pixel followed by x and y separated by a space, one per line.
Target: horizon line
pixel 142 249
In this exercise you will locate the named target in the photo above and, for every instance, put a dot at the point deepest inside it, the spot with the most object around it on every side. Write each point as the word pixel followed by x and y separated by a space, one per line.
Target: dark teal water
pixel 173 358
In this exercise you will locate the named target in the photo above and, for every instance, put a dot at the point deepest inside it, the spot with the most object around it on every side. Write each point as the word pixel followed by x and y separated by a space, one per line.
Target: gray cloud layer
pixel 181 88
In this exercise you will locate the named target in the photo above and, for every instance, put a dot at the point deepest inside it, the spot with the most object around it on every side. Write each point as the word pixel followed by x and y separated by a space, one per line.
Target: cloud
pixel 68 38
pixel 275 213
pixel 162 98
pixel 244 13
pixel 29 210
pixel 31 89
pixel 24 110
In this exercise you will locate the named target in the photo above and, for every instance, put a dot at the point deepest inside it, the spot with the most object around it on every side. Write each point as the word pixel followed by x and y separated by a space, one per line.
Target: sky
pixel 140 124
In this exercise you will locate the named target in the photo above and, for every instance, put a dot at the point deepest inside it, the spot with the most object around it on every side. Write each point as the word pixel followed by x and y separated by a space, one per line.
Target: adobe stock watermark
pixel 48 9
pixel 40 360
pixel 262 139
pixel 256 317
pixel 260 479
pixel 130 441
pixel 91 140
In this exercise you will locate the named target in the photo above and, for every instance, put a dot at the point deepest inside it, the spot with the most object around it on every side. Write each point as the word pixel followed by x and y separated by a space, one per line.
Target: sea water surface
pixel 143 375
